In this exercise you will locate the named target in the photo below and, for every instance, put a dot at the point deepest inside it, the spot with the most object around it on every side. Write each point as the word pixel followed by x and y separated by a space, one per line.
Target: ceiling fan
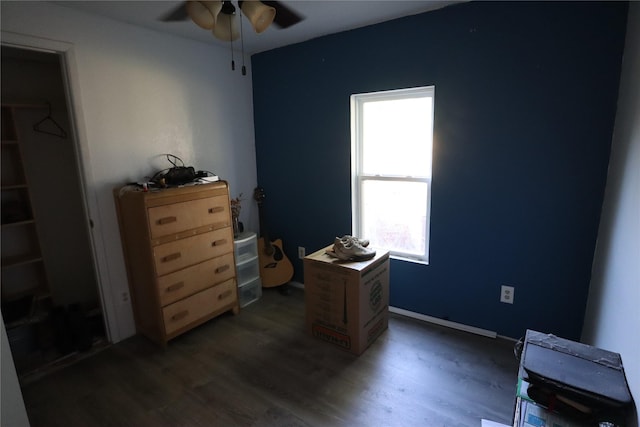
pixel 221 19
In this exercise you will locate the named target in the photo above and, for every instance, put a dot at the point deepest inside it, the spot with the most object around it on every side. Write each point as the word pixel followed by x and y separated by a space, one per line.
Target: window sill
pixel 408 259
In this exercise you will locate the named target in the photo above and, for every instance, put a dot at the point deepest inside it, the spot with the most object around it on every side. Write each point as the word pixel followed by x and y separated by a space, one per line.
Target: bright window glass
pixel 392 145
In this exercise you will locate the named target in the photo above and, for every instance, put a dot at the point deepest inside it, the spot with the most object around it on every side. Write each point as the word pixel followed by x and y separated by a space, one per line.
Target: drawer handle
pixel 219 242
pixel 224 295
pixel 175 287
pixel 171 257
pixel 180 315
pixel 167 220
pixel 216 209
pixel 222 268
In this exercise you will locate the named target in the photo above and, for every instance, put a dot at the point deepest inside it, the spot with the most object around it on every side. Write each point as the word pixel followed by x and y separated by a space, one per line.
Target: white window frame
pixel 358 177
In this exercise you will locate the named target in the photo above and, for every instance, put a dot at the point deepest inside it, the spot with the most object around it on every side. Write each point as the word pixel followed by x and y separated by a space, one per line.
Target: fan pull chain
pixel 233 63
pixel 244 69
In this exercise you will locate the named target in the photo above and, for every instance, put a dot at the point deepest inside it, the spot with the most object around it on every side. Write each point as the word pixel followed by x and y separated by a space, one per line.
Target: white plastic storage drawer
pixel 248 270
pixel 250 292
pixel 246 247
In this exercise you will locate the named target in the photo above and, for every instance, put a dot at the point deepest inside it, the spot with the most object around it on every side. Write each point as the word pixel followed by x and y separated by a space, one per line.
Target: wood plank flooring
pixel 260 369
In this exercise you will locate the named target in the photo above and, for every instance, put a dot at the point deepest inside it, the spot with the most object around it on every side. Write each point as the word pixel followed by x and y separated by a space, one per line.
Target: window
pixel 391 151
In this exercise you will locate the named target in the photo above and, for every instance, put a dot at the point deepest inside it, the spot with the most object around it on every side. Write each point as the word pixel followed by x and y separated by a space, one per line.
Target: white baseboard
pixel 441 322
pixel 296 285
pixel 430 319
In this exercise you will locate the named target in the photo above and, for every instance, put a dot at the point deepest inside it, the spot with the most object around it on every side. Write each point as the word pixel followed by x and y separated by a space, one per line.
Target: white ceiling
pixel 322 17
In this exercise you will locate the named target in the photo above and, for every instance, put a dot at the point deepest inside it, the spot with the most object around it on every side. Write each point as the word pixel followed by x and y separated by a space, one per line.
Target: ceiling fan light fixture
pixel 259 14
pixel 204 13
pixel 226 28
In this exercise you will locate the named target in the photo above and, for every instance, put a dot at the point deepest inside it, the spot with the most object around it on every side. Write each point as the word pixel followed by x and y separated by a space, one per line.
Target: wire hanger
pixel 57 131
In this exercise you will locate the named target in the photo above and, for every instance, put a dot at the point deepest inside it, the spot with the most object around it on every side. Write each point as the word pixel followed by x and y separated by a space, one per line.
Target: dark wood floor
pixel 260 369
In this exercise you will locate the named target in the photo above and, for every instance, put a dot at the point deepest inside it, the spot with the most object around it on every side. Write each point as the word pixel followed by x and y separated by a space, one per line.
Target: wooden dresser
pixel 178 248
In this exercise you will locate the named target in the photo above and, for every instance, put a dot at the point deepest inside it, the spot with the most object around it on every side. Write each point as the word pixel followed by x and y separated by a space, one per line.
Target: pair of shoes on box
pixel 351 248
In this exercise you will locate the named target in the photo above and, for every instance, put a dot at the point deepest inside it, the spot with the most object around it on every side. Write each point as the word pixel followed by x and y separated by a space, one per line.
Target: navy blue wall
pixel 525 104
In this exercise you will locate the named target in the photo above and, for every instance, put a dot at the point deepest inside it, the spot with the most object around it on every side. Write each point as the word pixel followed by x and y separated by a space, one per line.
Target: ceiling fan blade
pixel 285 17
pixel 179 13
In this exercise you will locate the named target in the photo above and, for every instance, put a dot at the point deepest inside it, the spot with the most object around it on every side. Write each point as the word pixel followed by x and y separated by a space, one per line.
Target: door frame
pixel 79 138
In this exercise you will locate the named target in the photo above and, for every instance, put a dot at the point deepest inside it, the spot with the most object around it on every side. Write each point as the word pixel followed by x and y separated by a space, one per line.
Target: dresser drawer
pixel 182 313
pixel 177 217
pixel 174 256
pixel 175 286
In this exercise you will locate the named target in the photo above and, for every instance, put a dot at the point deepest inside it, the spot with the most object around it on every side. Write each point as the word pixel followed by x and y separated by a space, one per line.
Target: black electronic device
pixel 590 376
pixel 178 174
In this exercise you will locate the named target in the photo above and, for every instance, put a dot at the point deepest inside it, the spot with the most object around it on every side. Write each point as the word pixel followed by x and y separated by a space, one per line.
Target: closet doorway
pixel 51 302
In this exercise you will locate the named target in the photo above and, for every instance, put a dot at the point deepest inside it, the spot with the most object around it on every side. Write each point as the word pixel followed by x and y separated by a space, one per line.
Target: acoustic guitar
pixel 275 267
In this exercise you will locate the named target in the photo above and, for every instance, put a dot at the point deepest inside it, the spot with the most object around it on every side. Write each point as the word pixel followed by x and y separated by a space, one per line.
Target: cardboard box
pixel 347 303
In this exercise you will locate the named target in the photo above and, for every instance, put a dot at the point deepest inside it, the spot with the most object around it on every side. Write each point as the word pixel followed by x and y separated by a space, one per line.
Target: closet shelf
pixel 14 187
pixel 18 223
pixel 23 270
pixel 14 261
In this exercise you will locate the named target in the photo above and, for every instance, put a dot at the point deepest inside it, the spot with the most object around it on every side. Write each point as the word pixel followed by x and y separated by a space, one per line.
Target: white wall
pixel 612 319
pixel 12 410
pixel 138 94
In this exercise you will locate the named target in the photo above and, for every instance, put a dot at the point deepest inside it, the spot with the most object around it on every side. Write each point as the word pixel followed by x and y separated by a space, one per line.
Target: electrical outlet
pixel 125 297
pixel 301 252
pixel 507 294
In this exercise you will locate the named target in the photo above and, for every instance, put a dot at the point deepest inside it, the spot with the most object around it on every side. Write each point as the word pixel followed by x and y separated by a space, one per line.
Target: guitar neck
pixel 263 229
pixel 275 267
